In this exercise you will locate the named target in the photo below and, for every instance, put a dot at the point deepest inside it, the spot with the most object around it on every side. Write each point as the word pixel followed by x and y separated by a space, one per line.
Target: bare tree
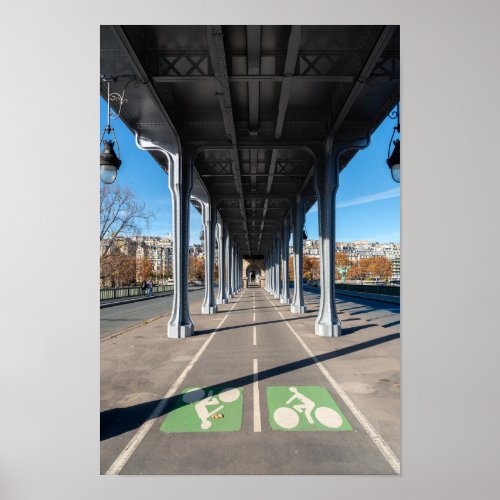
pixel 121 215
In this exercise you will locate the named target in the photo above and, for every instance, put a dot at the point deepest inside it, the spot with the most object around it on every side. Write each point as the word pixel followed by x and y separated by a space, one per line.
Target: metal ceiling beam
pixel 292 53
pixel 218 59
pixel 253 69
pixel 271 78
pixel 364 75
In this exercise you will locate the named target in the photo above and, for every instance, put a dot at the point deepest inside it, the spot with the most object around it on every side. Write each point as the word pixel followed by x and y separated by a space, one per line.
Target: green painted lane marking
pixel 213 409
pixel 301 408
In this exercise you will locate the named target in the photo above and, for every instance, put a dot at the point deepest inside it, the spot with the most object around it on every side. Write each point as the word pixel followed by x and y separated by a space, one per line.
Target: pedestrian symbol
pixel 213 409
pixel 304 409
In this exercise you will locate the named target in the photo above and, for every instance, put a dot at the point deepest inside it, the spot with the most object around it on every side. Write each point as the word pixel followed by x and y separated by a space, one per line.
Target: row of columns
pixel 276 261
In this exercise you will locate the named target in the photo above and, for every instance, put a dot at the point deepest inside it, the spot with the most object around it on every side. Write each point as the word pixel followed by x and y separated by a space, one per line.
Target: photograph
pixel 250 250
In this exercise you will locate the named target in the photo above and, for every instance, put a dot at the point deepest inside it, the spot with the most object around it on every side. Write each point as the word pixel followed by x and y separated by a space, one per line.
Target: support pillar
pixel 326 184
pixel 298 305
pixel 227 264
pixel 209 214
pixel 180 179
pixel 285 290
pixel 221 243
pixel 277 289
pixel 180 173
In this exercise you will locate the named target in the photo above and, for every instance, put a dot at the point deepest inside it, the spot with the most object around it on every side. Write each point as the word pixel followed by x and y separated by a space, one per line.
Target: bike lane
pixel 258 404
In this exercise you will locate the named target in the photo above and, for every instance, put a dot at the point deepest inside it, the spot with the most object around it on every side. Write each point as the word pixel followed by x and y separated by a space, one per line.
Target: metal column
pixel 326 184
pixel 285 290
pixel 221 243
pixel 298 305
pixel 209 214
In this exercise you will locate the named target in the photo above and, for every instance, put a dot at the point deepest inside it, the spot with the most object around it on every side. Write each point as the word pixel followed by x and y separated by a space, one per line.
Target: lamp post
pixel 110 161
pixel 393 161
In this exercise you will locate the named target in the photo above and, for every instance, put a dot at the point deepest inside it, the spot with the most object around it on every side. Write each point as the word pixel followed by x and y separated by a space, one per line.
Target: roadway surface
pixel 256 345
pixel 122 316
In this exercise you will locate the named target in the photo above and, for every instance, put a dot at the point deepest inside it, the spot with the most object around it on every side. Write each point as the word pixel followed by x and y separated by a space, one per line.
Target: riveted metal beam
pixel 218 58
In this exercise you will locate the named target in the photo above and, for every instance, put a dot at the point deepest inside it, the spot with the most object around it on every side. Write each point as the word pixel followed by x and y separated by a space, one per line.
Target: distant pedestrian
pixel 144 287
pixel 150 288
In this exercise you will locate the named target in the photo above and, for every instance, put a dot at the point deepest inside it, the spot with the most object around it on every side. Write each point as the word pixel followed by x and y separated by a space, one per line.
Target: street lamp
pixel 393 159
pixel 109 161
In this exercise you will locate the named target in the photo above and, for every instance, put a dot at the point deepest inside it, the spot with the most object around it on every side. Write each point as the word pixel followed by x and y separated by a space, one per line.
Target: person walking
pixel 144 287
pixel 150 288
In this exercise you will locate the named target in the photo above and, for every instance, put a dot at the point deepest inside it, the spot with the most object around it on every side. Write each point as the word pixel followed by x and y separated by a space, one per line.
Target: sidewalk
pixel 259 352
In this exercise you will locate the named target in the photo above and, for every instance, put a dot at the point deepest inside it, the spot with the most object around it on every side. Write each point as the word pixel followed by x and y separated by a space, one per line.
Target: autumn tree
pixel 310 268
pixel 196 268
pixel 290 268
pixel 121 215
pixel 118 270
pixel 380 267
pixel 373 267
pixel 144 269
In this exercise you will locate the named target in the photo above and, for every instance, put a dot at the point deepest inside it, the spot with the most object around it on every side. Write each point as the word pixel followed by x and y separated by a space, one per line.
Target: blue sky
pixel 368 200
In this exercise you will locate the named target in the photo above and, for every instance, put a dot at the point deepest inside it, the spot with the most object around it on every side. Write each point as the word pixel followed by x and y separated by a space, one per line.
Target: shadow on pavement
pixel 120 420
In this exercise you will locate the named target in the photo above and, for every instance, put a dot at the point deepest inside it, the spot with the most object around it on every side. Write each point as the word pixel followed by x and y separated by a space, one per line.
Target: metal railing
pixel 131 291
pixel 379 289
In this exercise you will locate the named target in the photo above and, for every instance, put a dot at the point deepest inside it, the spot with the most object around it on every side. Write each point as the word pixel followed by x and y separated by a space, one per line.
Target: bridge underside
pixel 254 123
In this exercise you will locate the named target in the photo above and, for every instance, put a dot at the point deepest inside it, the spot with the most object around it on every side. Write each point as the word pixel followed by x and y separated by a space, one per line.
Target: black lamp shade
pixel 394 163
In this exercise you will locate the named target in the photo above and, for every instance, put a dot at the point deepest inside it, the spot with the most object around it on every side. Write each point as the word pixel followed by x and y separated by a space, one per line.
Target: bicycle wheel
pixel 193 395
pixel 229 395
pixel 328 417
pixel 286 418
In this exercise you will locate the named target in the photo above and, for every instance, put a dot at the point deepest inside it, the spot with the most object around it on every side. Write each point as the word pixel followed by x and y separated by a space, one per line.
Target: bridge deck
pixel 263 349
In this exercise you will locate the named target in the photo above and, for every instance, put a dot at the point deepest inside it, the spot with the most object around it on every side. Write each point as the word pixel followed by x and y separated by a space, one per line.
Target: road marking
pixel 377 439
pixel 256 396
pixel 126 453
pixel 254 317
pixel 254 335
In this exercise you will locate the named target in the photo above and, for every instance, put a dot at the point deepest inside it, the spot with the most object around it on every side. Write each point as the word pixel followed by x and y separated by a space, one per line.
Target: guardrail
pixel 131 291
pixel 379 289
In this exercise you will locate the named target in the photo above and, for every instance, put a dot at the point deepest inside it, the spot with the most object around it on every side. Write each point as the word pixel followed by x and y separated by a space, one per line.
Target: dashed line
pixel 254 335
pixel 136 440
pixel 256 398
pixel 377 439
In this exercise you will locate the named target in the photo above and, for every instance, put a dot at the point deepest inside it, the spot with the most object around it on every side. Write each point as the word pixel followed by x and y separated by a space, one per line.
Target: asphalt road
pixel 372 311
pixel 265 358
pixel 120 317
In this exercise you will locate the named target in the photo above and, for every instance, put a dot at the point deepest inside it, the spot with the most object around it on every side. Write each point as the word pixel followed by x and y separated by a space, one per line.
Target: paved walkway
pixel 267 395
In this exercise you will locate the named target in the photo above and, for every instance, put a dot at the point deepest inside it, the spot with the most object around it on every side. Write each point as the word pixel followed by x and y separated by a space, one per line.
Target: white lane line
pixel 377 439
pixel 256 396
pixel 254 317
pixel 126 453
pixel 254 335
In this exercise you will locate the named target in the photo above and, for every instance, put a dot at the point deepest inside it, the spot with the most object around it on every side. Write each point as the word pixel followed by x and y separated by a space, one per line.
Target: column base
pixel 221 301
pixel 286 301
pixel 208 309
pixel 180 331
pixel 328 330
pixel 298 309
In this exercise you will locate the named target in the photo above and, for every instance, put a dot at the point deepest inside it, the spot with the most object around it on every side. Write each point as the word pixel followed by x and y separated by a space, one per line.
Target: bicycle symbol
pixel 288 417
pixel 202 403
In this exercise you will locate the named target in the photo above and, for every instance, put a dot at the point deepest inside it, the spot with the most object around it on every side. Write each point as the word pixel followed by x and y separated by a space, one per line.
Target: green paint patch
pixel 212 409
pixel 294 408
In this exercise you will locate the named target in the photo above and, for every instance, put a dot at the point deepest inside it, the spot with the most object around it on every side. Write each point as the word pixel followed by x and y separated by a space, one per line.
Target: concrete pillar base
pixel 328 330
pixel 221 301
pixel 180 331
pixel 209 310
pixel 298 309
pixel 285 301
